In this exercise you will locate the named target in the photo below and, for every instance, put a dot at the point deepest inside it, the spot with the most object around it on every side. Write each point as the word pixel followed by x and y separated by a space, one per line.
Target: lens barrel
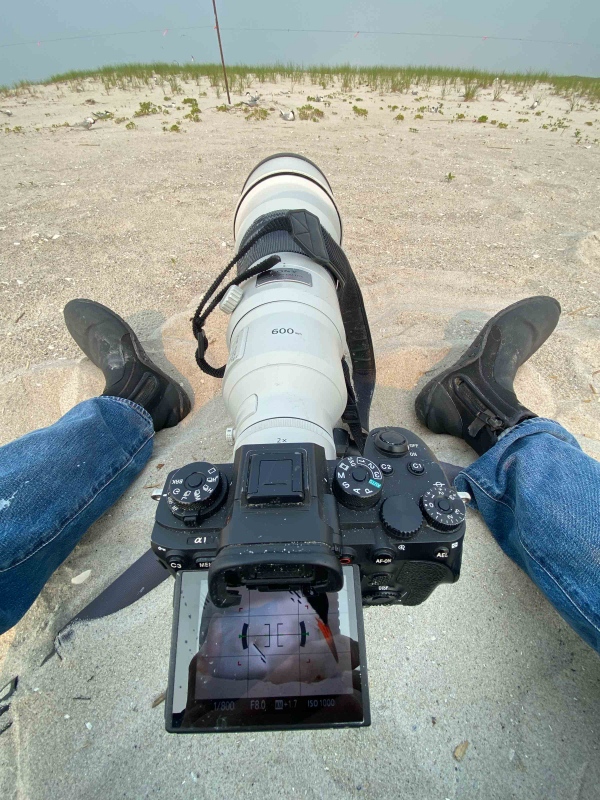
pixel 284 381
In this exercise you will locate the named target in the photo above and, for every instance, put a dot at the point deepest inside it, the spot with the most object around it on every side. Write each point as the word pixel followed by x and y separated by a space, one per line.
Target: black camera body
pixel 283 517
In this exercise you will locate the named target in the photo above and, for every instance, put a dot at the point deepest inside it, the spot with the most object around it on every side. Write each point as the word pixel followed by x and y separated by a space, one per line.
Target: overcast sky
pixel 572 21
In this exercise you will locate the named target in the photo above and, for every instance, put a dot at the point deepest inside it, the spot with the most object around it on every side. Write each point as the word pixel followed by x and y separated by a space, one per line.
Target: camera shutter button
pixel 391 442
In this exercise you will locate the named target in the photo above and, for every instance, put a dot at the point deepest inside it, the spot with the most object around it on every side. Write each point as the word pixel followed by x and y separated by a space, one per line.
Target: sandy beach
pixel 446 221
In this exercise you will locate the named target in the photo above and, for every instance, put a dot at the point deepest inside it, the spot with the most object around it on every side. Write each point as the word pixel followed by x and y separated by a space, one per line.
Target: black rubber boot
pixel 111 345
pixel 474 399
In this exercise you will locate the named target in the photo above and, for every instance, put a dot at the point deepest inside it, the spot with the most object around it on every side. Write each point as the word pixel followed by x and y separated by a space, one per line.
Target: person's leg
pixel 55 483
pixel 537 491
pixel 539 495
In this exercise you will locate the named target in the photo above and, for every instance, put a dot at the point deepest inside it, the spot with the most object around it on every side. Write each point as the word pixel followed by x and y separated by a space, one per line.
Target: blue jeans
pixel 57 481
pixel 539 494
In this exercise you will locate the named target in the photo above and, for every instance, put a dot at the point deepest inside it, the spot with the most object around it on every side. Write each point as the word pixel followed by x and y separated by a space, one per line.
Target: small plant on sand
pixel 399 117
pixel 460 116
pixel 498 91
pixel 573 101
pixel 256 114
pixel 224 108
pixel 413 130
pixel 174 84
pixel 503 124
pixel 482 118
pixel 471 90
pixel 146 109
pixel 194 113
pixel 449 177
pixel 175 128
pixel 310 112
pixel 360 112
pixel 393 108
pixel 418 116
pixel 131 126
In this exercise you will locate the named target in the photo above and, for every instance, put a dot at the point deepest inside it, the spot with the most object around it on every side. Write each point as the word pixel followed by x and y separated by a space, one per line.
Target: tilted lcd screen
pixel 278 660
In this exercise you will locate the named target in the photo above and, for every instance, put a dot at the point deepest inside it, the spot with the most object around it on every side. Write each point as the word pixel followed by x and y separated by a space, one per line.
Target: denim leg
pixel 57 481
pixel 539 494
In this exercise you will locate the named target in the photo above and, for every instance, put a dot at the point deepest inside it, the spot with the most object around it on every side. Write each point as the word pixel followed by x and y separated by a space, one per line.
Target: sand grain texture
pixel 143 221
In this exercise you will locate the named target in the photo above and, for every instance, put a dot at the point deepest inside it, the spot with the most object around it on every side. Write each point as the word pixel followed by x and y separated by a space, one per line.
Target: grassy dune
pixel 384 79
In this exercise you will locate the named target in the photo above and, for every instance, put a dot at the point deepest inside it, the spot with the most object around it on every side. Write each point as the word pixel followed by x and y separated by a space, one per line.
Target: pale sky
pixel 576 22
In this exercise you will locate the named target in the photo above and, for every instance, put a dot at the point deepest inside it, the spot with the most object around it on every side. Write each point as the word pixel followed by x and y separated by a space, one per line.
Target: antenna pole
pixel 221 51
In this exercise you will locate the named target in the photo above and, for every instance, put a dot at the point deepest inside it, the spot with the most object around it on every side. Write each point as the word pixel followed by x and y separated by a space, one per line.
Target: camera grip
pixel 419 579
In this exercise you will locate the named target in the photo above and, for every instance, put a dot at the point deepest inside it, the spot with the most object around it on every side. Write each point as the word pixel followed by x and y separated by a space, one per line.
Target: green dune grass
pixel 344 76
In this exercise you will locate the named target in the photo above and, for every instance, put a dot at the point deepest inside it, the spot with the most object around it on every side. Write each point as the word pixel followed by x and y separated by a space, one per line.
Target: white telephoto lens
pixel 284 381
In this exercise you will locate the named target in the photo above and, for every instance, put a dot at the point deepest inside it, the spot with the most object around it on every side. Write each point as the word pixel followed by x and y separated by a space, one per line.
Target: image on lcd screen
pixel 278 659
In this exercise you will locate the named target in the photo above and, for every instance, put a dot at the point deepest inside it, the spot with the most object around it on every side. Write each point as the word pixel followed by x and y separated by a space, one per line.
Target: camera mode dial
pixel 357 482
pixel 443 508
pixel 193 489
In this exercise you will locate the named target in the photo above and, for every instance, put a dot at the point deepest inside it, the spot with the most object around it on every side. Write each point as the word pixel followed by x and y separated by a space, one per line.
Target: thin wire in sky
pixel 354 33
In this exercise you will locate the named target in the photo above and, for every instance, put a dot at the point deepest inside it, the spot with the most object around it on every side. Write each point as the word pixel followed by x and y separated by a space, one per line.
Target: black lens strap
pixel 317 244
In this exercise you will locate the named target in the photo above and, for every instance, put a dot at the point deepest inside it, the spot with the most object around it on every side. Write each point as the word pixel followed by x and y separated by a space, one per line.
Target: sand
pixel 142 220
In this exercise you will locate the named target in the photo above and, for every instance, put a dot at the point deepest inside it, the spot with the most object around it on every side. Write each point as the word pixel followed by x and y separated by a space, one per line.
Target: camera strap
pixel 311 239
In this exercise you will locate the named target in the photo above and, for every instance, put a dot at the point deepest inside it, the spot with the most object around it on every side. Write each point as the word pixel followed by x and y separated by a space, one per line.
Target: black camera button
pixel 195 480
pixel 175 560
pixel 415 467
pixel 391 442
pixel 383 556
pixel 442 553
pixel 360 474
pixel 387 469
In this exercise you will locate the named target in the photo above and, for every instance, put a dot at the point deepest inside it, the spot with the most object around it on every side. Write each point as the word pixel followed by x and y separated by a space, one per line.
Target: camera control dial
pixel 193 489
pixel 357 482
pixel 443 508
pixel 401 516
